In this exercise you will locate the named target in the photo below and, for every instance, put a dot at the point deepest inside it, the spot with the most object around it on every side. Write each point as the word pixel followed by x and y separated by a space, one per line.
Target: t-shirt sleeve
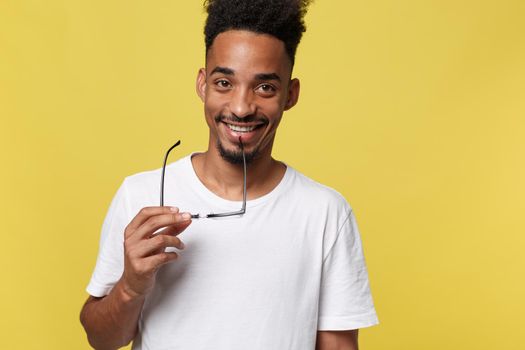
pixel 345 299
pixel 110 260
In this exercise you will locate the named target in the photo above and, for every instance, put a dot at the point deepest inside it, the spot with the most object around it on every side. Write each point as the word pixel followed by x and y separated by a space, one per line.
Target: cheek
pixel 211 108
pixel 274 112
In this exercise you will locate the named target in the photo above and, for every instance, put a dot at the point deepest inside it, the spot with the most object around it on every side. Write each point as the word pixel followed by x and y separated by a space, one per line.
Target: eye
pixel 266 89
pixel 223 84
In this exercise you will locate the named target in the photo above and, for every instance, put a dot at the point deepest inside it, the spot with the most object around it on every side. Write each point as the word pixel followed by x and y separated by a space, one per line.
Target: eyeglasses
pixel 212 215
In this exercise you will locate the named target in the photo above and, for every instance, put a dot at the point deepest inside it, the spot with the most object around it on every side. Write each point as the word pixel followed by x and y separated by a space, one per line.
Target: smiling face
pixel 245 88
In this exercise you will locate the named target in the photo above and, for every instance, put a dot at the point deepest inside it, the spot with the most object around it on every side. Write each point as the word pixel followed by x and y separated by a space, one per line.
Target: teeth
pixel 241 128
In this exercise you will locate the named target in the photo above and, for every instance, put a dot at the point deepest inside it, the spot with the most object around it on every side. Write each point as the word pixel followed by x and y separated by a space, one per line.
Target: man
pixel 288 273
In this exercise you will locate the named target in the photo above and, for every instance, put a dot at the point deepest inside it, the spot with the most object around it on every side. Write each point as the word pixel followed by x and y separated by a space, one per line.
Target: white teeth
pixel 241 128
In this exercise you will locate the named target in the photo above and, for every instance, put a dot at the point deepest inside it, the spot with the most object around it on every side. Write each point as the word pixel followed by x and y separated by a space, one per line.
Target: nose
pixel 242 103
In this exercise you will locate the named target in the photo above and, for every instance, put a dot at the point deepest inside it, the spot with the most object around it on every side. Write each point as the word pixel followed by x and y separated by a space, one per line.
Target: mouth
pixel 242 128
pixel 250 131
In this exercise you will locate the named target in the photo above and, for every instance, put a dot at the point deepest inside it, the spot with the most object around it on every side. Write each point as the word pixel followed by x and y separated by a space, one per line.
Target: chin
pixel 234 156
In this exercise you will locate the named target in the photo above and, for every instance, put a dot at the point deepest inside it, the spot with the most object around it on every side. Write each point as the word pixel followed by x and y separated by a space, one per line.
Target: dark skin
pixel 111 321
pixel 246 83
pixel 247 76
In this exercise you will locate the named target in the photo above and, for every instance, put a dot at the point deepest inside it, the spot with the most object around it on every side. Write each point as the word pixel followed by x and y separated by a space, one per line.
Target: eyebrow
pixel 259 76
pixel 267 76
pixel 222 70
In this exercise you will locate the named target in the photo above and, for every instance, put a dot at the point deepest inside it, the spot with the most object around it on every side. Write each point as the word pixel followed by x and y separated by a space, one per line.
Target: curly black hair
pixel 282 19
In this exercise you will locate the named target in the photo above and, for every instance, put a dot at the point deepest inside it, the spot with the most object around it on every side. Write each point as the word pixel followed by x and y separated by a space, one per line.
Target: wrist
pixel 127 294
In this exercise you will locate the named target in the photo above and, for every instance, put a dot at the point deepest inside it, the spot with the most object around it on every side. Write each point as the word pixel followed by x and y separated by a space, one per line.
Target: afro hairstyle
pixel 282 19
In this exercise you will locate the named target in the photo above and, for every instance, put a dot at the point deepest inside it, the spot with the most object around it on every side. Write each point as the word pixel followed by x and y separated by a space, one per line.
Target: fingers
pixel 155 245
pixel 147 212
pixel 150 219
pixel 147 240
pixel 147 236
pixel 156 261
pixel 139 274
pixel 150 226
pixel 174 230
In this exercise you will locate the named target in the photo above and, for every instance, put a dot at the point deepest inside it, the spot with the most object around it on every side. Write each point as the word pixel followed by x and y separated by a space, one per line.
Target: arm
pixel 337 340
pixel 112 321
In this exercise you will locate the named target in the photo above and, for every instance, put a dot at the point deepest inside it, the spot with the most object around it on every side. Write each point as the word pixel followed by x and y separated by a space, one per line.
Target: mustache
pixel 235 119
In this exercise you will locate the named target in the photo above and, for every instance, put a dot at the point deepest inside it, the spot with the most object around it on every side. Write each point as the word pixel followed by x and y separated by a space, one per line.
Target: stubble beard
pixel 235 156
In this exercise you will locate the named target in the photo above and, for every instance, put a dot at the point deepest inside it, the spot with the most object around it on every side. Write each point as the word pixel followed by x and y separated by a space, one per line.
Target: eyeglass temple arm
pixel 163 171
pixel 244 177
pixel 243 209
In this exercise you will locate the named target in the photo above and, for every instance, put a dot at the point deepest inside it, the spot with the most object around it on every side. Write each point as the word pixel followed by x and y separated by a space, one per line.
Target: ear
pixel 293 94
pixel 200 84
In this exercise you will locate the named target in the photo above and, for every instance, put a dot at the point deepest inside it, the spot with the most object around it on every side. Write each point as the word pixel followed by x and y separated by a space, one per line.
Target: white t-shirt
pixel 291 265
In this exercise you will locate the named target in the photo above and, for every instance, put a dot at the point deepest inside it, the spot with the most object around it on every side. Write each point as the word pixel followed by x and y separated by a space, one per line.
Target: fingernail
pixel 186 216
pixel 182 245
pixel 175 209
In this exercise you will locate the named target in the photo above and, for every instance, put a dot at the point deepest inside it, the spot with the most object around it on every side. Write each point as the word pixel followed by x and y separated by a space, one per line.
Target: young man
pixel 288 273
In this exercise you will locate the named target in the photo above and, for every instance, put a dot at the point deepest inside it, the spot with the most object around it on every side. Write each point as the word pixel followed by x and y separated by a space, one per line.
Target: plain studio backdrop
pixel 414 110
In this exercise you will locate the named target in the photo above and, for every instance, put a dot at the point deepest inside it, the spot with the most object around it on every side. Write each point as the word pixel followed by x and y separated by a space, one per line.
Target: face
pixel 245 88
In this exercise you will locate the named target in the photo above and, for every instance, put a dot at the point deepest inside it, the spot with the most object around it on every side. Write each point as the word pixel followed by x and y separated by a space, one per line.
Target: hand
pixel 144 248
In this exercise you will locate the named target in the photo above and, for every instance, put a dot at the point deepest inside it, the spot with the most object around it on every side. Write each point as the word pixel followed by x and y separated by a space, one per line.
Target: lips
pixel 250 132
pixel 242 128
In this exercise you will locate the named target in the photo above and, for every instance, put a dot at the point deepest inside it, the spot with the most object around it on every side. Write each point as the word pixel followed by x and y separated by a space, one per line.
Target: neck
pixel 225 179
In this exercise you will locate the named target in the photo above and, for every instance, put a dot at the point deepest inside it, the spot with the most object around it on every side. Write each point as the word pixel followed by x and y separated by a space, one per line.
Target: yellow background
pixel 414 110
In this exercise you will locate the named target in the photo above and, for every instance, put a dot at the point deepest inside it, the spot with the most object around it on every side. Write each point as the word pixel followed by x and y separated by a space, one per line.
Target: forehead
pixel 248 52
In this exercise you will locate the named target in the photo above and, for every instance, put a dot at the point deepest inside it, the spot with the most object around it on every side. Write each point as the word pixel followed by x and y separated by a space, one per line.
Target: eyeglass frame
pixel 242 211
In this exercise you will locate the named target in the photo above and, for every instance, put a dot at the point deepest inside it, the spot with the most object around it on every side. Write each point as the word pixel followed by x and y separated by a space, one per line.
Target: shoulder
pixel 143 188
pixel 317 195
pixel 148 178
